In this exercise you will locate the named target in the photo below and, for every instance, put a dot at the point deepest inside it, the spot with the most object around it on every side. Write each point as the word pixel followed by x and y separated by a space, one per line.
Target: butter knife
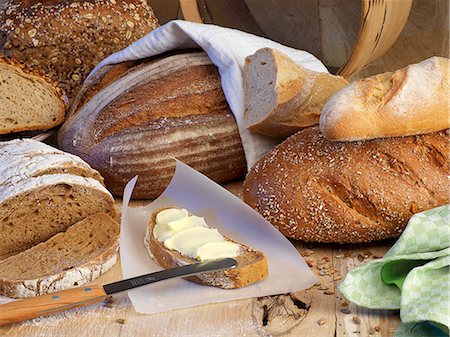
pixel 29 308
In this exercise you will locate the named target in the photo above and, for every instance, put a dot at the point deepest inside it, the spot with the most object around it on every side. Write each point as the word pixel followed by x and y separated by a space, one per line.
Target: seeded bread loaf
pixel 147 114
pixel 317 190
pixel 72 258
pixel 66 39
pixel 42 192
pixel 282 97
pixel 409 101
pixel 28 101
pixel 251 264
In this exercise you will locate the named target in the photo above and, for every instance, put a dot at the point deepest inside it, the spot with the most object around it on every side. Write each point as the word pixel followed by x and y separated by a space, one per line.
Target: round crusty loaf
pixel 43 192
pixel 66 39
pixel 28 100
pixel 149 114
pixel 316 190
pixel 409 101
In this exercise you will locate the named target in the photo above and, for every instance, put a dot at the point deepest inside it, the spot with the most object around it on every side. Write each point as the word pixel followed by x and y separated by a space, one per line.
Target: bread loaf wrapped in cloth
pixel 135 114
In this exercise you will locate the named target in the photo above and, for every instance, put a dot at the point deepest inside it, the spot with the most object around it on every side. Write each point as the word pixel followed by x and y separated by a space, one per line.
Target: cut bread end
pixel 282 97
pixel 251 264
pixel 68 259
pixel 28 101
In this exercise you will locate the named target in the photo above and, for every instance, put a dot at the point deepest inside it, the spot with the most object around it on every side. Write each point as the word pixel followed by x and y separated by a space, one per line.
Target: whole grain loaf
pixel 313 189
pixel 66 39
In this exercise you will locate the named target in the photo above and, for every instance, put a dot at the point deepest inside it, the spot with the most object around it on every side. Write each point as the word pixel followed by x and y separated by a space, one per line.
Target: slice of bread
pixel 44 191
pixel 28 101
pixel 251 264
pixel 71 258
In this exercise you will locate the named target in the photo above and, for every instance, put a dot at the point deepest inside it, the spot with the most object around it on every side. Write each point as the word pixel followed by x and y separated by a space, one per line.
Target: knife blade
pixel 76 297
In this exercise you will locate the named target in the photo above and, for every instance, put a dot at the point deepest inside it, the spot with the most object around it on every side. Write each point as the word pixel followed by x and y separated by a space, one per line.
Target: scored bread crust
pixel 31 74
pixel 163 108
pixel 316 190
pixel 76 276
pixel 410 101
pixel 251 264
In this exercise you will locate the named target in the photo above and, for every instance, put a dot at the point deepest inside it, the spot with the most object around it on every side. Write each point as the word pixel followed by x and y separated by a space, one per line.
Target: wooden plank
pixel 339 25
pixel 426 34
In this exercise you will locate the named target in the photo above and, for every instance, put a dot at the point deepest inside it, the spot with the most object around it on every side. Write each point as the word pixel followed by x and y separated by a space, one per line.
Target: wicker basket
pixel 346 35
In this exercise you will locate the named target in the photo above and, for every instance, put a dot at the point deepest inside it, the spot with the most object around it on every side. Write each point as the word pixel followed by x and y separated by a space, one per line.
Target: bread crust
pixel 282 97
pixel 409 101
pixel 316 190
pixel 166 108
pixel 245 273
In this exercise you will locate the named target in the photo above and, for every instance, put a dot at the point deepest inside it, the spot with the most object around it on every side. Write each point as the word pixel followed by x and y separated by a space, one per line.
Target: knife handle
pixel 46 304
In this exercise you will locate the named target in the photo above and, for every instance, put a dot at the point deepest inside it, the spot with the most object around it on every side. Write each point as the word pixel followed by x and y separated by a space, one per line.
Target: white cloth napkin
pixel 227 49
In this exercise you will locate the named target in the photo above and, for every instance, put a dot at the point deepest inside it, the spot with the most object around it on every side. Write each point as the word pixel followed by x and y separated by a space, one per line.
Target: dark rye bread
pixel 72 258
pixel 317 190
pixel 66 39
pixel 149 113
pixel 28 100
pixel 251 264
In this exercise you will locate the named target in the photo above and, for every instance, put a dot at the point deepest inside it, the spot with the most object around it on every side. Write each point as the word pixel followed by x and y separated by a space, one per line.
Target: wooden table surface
pixel 319 311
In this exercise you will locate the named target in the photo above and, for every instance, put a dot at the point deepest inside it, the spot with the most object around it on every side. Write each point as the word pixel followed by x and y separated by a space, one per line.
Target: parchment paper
pixel 189 189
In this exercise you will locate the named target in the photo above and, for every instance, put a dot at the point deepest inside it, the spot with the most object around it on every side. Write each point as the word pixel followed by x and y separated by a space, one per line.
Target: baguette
pixel 409 101
pixel 43 192
pixel 28 101
pixel 150 113
pixel 282 97
pixel 316 190
pixel 72 258
pixel 251 264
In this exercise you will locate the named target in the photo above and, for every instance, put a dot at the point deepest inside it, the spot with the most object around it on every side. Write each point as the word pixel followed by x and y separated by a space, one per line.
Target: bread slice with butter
pixel 174 237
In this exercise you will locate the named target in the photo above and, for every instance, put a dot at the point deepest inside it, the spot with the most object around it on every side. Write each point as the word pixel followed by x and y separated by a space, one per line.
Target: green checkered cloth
pixel 413 276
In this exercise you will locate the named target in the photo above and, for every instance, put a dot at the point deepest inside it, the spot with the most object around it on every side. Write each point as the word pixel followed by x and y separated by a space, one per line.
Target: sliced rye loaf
pixel 71 258
pixel 251 264
pixel 41 195
pixel 28 101
pixel 24 158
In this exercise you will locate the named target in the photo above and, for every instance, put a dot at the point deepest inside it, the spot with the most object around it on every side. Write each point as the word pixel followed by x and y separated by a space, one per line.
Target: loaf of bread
pixel 251 264
pixel 317 190
pixel 28 101
pixel 66 39
pixel 72 258
pixel 139 119
pixel 43 191
pixel 409 101
pixel 282 97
